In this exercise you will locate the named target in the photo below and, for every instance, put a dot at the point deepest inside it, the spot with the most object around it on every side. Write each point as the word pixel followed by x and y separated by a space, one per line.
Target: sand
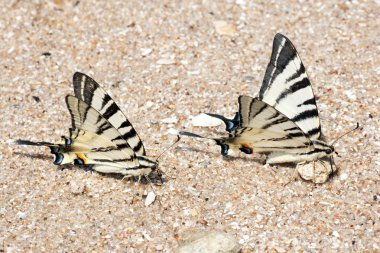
pixel 173 60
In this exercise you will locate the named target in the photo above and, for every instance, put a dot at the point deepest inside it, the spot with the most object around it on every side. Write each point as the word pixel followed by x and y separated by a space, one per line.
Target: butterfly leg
pixel 126 177
pixel 294 175
pixel 334 167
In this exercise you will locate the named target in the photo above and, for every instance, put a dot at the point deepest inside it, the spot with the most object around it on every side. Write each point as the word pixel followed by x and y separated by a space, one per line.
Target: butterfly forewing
pixel 96 138
pixel 287 88
pixel 89 91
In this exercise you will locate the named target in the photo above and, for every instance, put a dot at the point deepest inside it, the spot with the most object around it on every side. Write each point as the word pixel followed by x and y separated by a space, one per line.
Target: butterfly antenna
pixel 163 152
pixel 350 131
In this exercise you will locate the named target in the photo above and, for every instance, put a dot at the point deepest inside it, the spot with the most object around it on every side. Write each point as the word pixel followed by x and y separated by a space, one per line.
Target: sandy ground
pixel 168 60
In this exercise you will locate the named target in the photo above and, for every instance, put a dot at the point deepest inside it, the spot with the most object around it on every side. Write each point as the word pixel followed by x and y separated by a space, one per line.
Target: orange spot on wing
pixel 81 156
pixel 247 146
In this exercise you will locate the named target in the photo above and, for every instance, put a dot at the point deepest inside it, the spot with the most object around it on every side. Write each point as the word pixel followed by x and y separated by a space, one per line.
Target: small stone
pixel 170 120
pixel 150 198
pixel 21 215
pixel 160 247
pixel 336 234
pixel 149 104
pixel 203 120
pixel 224 28
pixel 173 131
pixel 147 236
pixel 145 51
pixel 317 172
pixel 165 61
pixel 343 176
pixel 77 188
pixel 193 212
pixel 207 241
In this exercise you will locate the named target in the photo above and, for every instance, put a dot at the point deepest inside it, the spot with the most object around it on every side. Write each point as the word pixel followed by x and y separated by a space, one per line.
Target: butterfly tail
pixel 32 143
pixel 231 124
pixel 55 149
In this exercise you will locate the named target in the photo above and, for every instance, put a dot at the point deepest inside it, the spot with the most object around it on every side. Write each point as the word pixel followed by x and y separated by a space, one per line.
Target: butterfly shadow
pixel 33 156
pixel 259 160
pixel 155 178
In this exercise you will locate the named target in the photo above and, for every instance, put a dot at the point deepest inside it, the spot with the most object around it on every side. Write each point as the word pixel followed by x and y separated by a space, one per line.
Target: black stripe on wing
pixel 304 83
pixel 310 101
pixel 305 115
pixel 283 52
pixel 88 90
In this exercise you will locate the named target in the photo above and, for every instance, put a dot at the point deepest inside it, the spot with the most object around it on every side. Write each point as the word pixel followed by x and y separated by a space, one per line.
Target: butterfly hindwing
pixel 287 88
pixel 89 91
pixel 265 129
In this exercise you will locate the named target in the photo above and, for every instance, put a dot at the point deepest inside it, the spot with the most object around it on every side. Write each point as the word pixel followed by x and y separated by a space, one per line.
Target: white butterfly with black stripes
pixel 283 121
pixel 100 135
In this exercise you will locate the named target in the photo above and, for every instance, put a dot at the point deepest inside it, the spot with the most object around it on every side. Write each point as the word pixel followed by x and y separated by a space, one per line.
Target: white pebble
pixel 343 176
pixel 203 120
pixel 145 51
pixel 150 198
pixel 165 61
pixel 207 241
pixel 149 104
pixel 170 120
pixel 173 131
pixel 21 215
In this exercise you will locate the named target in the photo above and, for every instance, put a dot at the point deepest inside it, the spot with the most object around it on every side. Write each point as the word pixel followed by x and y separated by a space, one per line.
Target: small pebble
pixel 145 51
pixel 224 28
pixel 150 198
pixel 170 120
pixel 165 61
pixel 207 241
pixel 203 120
pixel 77 188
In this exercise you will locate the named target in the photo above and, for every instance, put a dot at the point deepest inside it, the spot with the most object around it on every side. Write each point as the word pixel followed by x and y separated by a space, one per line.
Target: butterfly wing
pixel 287 88
pixel 96 141
pixel 89 91
pixel 264 129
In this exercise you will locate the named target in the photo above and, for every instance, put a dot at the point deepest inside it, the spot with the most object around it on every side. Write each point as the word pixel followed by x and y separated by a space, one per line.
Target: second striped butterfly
pixel 101 136
pixel 283 121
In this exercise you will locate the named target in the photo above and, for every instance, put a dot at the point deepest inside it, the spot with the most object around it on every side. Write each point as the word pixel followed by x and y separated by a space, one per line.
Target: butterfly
pixel 283 121
pixel 100 136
